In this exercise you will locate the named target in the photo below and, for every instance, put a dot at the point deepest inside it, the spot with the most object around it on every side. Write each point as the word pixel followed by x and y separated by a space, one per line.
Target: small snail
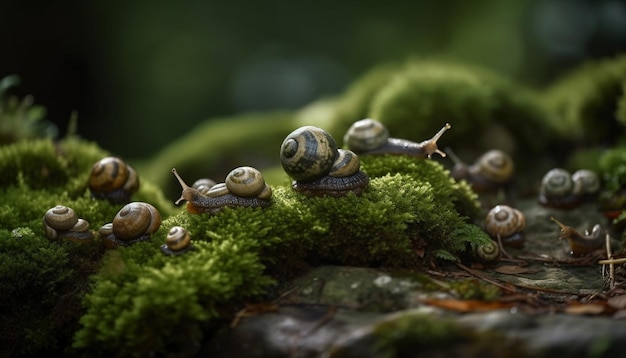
pixel 581 244
pixel 369 136
pixel 135 222
pixel 507 225
pixel 178 241
pixel 491 171
pixel 203 185
pixel 113 180
pixel 309 155
pixel 488 253
pixel 244 186
pixel 61 222
pixel 561 190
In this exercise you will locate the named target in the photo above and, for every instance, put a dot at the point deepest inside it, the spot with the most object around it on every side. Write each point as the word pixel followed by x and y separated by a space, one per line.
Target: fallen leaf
pixel 469 305
pixel 514 270
pixel 585 309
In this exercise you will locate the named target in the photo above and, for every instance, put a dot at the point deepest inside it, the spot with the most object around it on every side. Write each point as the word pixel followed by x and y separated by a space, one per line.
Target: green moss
pixel 586 102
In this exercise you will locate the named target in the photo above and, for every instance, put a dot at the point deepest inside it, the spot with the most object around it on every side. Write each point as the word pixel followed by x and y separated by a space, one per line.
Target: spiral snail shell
pixel 487 253
pixel 113 180
pixel 581 244
pixel 61 222
pixel 310 156
pixel 135 222
pixel 203 185
pixel 244 186
pixel 561 190
pixel 491 171
pixel 369 136
pixel 178 241
pixel 507 225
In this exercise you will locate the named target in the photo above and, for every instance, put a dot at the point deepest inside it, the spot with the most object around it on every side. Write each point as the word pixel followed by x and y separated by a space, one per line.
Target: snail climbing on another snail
pixel 310 156
pixel 369 136
pixel 561 190
pixel 492 171
pixel 61 222
pixel 113 180
pixel 506 225
pixel 135 222
pixel 177 242
pixel 581 244
pixel 244 186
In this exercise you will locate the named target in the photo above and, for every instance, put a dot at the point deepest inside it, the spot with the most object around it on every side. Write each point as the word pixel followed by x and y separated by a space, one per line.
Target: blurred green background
pixel 142 73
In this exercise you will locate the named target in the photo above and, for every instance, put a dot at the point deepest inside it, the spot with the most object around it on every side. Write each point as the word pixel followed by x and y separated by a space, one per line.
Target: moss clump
pixel 399 221
pixel 587 102
pixel 42 282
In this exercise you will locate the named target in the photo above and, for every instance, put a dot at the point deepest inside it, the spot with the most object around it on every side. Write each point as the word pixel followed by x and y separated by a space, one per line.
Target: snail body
pixel 507 225
pixel 135 222
pixel 113 180
pixel 491 171
pixel 581 244
pixel 178 241
pixel 61 222
pixel 368 136
pixel 310 156
pixel 562 190
pixel 244 186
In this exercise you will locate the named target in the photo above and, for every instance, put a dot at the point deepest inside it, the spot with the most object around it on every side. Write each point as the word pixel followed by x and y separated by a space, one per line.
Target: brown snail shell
pixel 346 163
pixel 507 224
pixel 308 153
pixel 492 170
pixel 135 220
pixel 368 136
pixel 203 185
pixel 244 186
pixel 62 222
pixel 581 244
pixel 113 180
pixel 178 241
pixel 487 253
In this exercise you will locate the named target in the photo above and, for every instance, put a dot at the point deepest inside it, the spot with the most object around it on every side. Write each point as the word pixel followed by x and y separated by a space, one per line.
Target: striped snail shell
pixel 346 163
pixel 507 224
pixel 203 185
pixel 308 153
pixel 559 190
pixel 113 180
pixel 62 222
pixel 178 241
pixel 368 136
pixel 244 186
pixel 135 222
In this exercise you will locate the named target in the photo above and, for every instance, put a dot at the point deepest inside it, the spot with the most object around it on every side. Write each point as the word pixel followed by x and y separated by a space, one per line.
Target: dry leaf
pixel 514 270
pixel 588 308
pixel 468 305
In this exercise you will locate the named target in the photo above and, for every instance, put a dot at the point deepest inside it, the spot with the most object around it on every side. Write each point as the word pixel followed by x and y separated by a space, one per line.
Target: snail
pixel 113 180
pixel 135 222
pixel 581 244
pixel 506 224
pixel 178 241
pixel 61 222
pixel 491 171
pixel 369 136
pixel 310 156
pixel 203 185
pixel 244 186
pixel 487 253
pixel 561 190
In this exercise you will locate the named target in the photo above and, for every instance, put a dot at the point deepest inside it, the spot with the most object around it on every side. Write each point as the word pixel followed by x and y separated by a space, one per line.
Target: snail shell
pixel 113 180
pixel 244 186
pixel 506 223
pixel 135 220
pixel 308 153
pixel 488 253
pixel 178 241
pixel 581 244
pixel 62 222
pixel 369 136
pixel 203 185
pixel 492 170
pixel 586 182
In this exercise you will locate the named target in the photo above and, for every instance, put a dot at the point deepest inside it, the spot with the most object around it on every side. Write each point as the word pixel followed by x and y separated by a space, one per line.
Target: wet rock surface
pixel 540 301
